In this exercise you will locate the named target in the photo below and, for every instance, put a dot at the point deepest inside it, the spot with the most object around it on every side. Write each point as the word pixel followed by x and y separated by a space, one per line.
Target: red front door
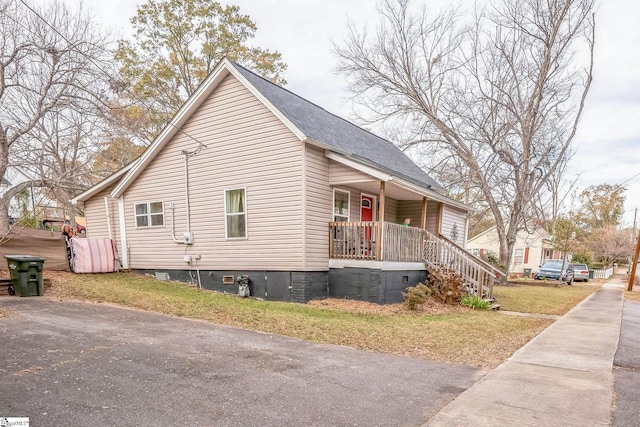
pixel 366 215
pixel 366 209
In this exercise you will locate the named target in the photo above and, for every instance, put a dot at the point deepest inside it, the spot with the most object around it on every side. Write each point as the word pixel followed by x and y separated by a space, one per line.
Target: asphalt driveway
pixel 74 363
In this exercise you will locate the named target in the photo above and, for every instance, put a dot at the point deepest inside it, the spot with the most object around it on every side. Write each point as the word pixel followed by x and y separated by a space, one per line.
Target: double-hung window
pixel 518 256
pixel 150 214
pixel 340 206
pixel 235 208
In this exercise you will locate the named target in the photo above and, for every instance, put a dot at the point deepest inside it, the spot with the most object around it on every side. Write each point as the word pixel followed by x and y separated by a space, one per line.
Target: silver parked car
pixel 551 270
pixel 580 271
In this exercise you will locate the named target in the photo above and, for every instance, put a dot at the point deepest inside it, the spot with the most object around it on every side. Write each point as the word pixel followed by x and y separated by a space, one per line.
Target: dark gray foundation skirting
pixel 363 284
pixel 292 286
pixel 366 284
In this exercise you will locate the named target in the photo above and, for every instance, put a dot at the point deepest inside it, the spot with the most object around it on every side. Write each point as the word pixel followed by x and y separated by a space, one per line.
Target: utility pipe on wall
pixel 173 225
pixel 187 238
pixel 186 187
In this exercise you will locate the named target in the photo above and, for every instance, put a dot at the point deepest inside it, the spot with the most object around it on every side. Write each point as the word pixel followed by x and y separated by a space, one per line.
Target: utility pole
pixel 632 276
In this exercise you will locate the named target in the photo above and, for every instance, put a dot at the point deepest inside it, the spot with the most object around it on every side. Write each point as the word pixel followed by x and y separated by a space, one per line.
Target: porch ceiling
pixel 391 190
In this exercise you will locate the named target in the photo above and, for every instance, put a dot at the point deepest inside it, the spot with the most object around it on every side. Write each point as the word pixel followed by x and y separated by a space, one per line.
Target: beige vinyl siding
pixel 410 209
pixel 318 209
pixel 451 217
pixel 391 211
pixel 245 146
pixel 432 216
pixel 340 174
pixel 355 199
pixel 96 217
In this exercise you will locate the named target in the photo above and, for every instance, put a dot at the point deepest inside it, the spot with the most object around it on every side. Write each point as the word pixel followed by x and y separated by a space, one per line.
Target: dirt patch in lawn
pixel 431 307
pixel 548 283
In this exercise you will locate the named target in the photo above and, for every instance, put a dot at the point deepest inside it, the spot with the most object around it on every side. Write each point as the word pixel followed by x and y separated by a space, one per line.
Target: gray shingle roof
pixel 347 138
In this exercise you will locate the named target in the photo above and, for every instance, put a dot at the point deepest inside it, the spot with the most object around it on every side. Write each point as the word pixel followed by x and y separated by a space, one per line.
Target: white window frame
pixel 245 213
pixel 333 204
pixel 515 256
pixel 148 214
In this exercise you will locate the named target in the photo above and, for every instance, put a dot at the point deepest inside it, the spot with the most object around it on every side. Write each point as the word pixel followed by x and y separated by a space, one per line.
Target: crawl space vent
pixel 162 276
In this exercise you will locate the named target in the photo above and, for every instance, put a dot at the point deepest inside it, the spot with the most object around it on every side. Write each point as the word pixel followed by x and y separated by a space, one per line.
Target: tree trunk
pixel 4 215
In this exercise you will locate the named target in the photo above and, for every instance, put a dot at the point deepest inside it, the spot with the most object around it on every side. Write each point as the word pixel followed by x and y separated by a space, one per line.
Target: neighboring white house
pixel 33 200
pixel 13 176
pixel 531 249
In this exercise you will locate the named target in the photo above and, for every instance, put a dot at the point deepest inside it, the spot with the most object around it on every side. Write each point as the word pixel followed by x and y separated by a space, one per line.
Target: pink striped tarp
pixel 94 255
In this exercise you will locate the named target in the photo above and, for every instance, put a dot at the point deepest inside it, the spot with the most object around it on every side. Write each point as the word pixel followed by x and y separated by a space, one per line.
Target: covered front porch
pixel 407 246
pixel 384 223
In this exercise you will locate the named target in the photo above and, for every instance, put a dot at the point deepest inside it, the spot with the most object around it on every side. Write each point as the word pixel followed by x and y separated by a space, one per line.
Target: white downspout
pixel 108 213
pixel 304 204
pixel 123 234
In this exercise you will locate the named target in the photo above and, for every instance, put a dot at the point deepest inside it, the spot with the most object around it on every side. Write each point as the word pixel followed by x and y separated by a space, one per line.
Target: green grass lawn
pixel 542 299
pixel 459 334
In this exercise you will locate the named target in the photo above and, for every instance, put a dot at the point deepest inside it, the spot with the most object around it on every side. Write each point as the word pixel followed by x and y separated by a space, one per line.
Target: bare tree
pixel 560 195
pixel 68 142
pixel 610 243
pixel 500 96
pixel 48 65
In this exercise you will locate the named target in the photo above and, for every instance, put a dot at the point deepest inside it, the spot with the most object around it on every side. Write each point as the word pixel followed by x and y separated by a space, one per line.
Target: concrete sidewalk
pixel 563 377
pixel 626 364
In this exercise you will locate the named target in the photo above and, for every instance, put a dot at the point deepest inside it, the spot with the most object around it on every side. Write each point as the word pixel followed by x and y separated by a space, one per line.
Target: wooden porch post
pixel 423 219
pixel 439 220
pixel 380 223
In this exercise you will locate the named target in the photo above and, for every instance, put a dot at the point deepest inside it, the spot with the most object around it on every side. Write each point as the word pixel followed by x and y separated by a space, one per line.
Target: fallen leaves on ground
pixel 431 307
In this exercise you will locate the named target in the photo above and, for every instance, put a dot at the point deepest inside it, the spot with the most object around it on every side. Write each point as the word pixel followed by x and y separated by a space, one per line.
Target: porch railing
pixel 353 240
pixel 358 240
pixel 479 276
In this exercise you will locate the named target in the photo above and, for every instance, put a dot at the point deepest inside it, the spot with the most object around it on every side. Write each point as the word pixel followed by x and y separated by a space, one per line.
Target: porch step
pixel 494 307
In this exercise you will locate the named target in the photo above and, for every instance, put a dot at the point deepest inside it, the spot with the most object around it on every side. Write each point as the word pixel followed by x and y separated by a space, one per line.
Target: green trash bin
pixel 527 272
pixel 591 274
pixel 26 274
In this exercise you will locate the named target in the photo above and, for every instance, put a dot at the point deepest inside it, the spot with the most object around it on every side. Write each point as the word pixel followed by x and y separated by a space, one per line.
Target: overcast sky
pixel 608 142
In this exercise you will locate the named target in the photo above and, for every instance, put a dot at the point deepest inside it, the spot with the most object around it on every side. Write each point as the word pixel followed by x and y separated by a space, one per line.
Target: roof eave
pixel 354 164
pixel 477 236
pixel 432 194
pixel 386 177
pixel 224 68
pixel 114 177
pixel 173 126
pixel 275 111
